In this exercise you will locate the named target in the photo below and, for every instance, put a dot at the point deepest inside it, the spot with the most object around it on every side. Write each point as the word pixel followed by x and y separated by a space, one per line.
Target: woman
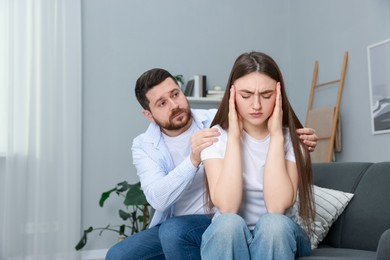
pixel 255 169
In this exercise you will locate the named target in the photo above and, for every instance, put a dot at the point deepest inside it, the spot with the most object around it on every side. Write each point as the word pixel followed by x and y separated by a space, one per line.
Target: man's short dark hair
pixel 147 81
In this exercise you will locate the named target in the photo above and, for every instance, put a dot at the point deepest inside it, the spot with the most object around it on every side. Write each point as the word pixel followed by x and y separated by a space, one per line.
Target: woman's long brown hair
pixel 259 62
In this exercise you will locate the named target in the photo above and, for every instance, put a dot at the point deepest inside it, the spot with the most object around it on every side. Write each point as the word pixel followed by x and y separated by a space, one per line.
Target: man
pixel 171 174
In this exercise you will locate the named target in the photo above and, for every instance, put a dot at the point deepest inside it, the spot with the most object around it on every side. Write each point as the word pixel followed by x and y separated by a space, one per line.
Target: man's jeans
pixel 275 236
pixel 176 238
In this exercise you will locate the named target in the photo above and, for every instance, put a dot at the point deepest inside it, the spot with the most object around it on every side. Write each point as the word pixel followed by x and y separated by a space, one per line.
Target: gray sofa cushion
pixel 383 252
pixel 368 213
pixel 339 254
pixel 338 176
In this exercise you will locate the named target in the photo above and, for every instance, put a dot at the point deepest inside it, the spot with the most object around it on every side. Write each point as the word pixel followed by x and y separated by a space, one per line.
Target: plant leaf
pixel 179 78
pixel 124 215
pixel 83 240
pixel 105 196
pixel 122 229
pixel 122 186
pixel 135 196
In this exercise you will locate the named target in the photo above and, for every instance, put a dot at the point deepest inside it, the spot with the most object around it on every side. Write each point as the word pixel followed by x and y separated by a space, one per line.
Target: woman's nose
pixel 256 103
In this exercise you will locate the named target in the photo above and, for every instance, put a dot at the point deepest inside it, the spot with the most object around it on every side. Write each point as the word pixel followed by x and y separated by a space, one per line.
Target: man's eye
pixel 161 104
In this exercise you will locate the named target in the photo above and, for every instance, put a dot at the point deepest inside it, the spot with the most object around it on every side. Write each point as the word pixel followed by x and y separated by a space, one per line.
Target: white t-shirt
pixel 253 153
pixel 192 199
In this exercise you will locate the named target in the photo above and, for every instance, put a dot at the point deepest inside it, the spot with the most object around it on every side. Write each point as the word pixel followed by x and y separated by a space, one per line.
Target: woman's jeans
pixel 275 236
pixel 176 238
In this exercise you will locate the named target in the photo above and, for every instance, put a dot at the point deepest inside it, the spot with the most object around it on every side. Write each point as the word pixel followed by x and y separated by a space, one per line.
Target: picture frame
pixel 379 86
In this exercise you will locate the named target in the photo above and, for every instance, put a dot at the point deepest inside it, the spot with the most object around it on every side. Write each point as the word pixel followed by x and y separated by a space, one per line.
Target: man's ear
pixel 148 115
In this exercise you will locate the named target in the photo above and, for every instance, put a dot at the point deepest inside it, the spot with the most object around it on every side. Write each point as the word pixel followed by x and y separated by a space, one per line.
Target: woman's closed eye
pixel 267 96
pixel 246 96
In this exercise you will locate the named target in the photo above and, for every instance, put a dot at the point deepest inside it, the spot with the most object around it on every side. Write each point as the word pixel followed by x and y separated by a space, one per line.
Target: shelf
pixel 204 100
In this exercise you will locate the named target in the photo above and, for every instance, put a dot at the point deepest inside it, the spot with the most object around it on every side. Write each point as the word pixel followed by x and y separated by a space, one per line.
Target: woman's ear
pixel 148 115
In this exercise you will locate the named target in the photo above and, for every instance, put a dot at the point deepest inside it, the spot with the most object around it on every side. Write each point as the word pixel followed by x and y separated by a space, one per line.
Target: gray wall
pixel 123 38
pixel 324 30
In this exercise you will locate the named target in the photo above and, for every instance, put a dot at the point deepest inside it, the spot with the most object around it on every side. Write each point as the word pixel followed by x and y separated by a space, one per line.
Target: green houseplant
pixel 180 80
pixel 136 212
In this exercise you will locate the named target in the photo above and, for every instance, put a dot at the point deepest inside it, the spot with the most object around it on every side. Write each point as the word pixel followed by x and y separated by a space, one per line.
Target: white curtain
pixel 40 185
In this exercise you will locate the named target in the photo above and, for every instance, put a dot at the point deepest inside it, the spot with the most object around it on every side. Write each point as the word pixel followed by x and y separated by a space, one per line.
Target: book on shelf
pixel 189 88
pixel 199 86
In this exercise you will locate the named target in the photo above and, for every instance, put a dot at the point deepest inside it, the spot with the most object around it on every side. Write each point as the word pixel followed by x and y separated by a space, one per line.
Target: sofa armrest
pixel 383 251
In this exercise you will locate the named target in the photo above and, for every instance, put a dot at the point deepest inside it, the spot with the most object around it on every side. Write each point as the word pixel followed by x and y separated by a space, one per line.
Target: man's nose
pixel 173 103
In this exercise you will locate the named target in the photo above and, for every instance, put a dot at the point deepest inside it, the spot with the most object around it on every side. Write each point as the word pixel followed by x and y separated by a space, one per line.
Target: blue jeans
pixel 275 236
pixel 176 238
pixel 140 246
pixel 181 237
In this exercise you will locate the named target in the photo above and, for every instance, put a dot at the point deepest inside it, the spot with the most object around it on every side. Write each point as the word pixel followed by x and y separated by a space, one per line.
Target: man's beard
pixel 171 125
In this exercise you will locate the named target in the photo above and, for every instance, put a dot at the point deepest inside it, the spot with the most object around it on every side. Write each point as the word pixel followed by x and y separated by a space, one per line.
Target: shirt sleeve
pixel 288 147
pixel 217 149
pixel 162 184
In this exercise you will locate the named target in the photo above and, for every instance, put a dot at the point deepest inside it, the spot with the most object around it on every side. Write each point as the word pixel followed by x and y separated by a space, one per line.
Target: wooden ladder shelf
pixel 325 142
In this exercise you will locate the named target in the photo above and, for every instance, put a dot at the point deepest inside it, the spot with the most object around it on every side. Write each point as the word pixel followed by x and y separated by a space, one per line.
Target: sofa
pixel 362 231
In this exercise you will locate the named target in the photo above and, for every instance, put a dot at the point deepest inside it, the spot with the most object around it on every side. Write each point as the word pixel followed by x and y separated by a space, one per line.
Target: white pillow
pixel 329 204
